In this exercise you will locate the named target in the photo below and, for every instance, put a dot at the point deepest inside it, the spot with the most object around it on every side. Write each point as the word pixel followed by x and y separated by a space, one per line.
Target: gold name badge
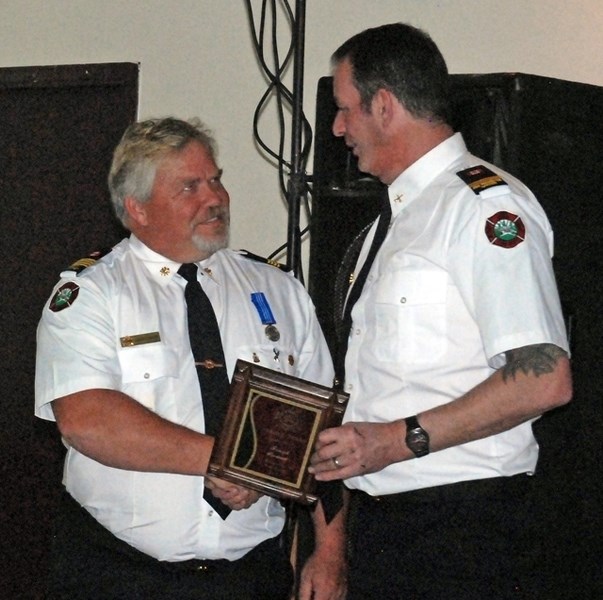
pixel 137 340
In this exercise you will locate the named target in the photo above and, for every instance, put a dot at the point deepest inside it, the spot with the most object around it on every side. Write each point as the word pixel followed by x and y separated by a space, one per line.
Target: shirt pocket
pixel 410 316
pixel 147 363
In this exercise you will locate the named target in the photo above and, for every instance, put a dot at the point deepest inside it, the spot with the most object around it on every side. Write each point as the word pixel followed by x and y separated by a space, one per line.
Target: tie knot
pixel 189 272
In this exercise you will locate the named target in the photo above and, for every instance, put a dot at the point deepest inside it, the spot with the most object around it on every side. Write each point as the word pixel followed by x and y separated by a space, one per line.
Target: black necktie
pixel 206 345
pixel 382 227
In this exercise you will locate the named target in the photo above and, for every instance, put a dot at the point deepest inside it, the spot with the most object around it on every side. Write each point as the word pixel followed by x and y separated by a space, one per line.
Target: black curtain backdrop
pixel 58 127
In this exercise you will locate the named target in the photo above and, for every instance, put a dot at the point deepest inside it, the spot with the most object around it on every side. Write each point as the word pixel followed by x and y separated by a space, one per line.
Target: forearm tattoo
pixel 537 359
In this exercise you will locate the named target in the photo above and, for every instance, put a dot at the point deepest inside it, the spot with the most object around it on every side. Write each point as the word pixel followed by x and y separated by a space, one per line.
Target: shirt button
pixel 146 375
pixel 211 513
pixel 403 300
pixel 357 331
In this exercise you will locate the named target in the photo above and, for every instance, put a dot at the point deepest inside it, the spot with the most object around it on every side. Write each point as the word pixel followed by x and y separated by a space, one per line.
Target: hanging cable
pixel 273 69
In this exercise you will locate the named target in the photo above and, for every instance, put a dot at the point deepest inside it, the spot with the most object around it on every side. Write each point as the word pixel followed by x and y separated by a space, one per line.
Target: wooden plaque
pixel 270 429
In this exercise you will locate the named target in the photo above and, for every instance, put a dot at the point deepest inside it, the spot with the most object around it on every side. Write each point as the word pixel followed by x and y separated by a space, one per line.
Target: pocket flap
pixel 412 288
pixel 147 362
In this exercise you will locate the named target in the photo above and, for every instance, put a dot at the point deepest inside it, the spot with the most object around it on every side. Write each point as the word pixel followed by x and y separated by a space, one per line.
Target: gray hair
pixel 140 150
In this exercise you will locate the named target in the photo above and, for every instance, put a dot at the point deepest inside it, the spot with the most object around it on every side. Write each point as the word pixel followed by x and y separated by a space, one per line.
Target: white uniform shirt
pixel 441 306
pixel 133 291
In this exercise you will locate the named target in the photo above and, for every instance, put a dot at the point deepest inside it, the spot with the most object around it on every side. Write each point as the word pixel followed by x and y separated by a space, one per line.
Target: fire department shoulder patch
pixel 64 297
pixel 505 229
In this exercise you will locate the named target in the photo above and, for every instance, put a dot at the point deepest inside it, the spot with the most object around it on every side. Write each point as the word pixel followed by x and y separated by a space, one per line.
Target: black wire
pixel 276 85
pixel 284 246
pixel 283 96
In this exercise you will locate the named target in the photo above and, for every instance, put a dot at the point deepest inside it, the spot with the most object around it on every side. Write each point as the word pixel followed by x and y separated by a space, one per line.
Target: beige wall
pixel 196 58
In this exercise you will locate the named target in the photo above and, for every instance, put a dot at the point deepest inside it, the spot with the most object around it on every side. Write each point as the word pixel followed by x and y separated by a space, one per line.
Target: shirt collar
pixel 211 267
pixel 161 268
pixel 411 182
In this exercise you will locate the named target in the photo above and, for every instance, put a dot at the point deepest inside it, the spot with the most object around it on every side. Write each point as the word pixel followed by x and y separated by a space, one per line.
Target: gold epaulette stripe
pixel 486 182
pixel 82 263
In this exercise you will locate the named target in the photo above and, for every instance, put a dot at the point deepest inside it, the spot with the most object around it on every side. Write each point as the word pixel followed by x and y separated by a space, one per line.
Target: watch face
pixel 418 441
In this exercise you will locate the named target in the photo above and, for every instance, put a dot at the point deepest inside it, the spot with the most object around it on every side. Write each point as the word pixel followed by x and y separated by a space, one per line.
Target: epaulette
pixel 267 261
pixel 83 263
pixel 480 178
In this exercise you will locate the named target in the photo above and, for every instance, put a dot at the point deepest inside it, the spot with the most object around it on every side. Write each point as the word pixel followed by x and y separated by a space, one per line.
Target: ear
pixel 136 211
pixel 384 107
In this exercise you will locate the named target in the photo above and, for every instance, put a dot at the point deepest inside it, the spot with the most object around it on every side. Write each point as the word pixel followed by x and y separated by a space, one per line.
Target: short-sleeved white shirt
pixel 445 299
pixel 134 291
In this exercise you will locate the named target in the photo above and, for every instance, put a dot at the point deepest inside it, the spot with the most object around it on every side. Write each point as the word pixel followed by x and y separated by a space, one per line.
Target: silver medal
pixel 272 333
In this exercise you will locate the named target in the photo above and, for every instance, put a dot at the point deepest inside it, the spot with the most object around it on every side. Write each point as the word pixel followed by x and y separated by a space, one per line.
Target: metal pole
pixel 297 184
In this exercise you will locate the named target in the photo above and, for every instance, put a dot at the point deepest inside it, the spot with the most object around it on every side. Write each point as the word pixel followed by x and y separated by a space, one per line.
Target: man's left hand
pixel 356 449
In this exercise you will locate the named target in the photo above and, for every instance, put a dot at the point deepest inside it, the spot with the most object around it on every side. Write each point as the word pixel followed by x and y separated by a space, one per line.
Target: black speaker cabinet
pixel 549 133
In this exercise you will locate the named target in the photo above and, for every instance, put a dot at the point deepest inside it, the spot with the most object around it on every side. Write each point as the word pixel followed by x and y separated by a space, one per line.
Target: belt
pixel 194 565
pixel 459 491
pixel 211 566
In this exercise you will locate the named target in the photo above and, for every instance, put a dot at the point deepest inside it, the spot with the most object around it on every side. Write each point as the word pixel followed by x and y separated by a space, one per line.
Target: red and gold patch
pixel 505 229
pixel 64 297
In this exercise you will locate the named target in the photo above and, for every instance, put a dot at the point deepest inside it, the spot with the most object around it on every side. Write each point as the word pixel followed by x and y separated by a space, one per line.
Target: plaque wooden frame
pixel 270 430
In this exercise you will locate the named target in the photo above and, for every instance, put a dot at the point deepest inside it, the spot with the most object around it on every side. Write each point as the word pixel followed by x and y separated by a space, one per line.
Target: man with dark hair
pixel 457 342
pixel 134 399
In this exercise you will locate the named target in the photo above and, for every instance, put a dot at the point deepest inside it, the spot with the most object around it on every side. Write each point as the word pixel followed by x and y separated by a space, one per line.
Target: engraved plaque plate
pixel 270 429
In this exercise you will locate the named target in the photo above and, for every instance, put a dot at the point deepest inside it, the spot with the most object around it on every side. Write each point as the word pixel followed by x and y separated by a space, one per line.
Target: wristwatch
pixel 417 439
